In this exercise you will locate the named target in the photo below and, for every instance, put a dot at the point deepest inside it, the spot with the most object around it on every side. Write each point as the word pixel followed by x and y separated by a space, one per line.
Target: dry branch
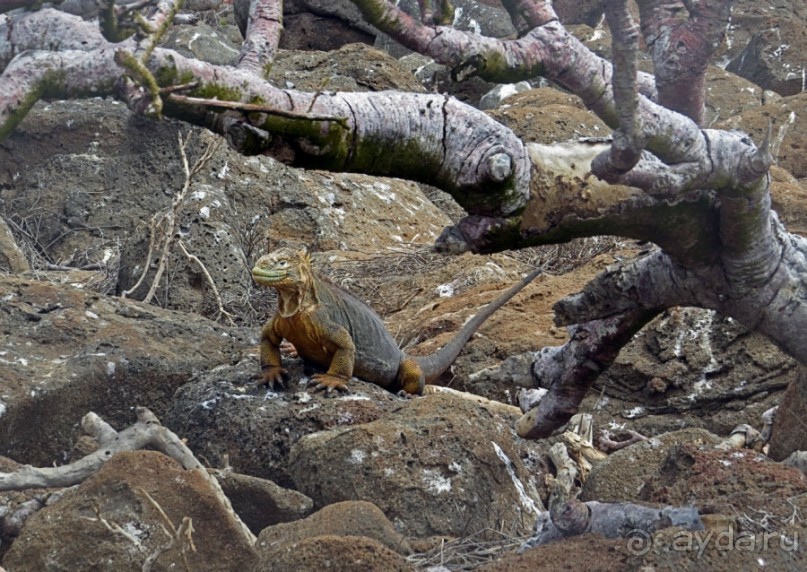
pixel 497 406
pixel 146 433
pixel 264 27
pixel 162 229
pixel 616 520
pixel 568 516
pixel 193 258
pixel 609 442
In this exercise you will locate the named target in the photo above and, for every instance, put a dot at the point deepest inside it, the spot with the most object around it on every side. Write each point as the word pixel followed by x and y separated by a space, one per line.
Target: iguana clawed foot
pixel 273 374
pixel 328 382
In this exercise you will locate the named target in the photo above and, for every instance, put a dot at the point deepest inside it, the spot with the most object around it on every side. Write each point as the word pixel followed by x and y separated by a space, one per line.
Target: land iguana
pixel 335 330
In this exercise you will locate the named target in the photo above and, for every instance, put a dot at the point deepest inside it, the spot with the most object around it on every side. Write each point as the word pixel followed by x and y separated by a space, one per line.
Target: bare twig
pixel 113 527
pixel 180 536
pixel 162 229
pixel 468 552
pixel 194 258
pixel 610 442
pixel 254 107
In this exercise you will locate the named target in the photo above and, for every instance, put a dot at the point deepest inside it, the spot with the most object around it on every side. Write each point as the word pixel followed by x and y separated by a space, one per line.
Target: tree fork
pixel 569 370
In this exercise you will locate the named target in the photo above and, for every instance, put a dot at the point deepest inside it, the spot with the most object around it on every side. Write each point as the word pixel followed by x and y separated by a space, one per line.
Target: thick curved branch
pixel 567 202
pixel 649 281
pixel 547 49
pixel 626 148
pixel 622 299
pixel 528 14
pixel 425 137
pixel 569 370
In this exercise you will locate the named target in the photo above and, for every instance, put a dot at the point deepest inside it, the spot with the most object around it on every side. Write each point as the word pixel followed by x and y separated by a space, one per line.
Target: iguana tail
pixel 435 364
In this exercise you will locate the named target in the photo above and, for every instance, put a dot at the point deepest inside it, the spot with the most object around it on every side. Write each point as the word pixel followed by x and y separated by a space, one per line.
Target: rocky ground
pixel 367 480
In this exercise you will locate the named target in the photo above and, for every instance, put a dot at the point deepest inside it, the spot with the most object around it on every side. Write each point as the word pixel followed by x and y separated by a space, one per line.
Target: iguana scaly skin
pixel 338 332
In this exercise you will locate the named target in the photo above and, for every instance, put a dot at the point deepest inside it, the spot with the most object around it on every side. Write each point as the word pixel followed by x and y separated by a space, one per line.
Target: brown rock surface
pixel 438 465
pixel 789 134
pixel 354 553
pixel 623 474
pixel 259 502
pixel 67 351
pixel 735 483
pixel 348 518
pixel 229 421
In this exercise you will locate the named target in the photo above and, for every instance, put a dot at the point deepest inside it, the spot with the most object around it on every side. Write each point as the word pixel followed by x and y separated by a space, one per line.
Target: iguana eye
pixel 282 263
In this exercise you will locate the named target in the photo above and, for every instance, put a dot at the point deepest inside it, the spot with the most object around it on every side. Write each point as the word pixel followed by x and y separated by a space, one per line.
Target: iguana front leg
pixel 339 344
pixel 272 372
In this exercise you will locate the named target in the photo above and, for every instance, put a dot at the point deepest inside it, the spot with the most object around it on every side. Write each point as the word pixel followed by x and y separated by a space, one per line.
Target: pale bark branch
pixel 626 148
pixel 650 281
pixel 615 520
pixel 497 406
pixel 546 49
pixel 147 432
pixel 568 371
pixel 610 442
pixel 430 138
pixel 264 28
pixel 529 14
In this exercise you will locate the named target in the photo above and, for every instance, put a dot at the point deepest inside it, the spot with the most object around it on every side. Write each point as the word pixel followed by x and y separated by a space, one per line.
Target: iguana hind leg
pixel 410 377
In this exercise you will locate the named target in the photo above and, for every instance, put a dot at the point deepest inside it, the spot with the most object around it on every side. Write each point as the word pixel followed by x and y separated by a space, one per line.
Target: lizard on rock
pixel 335 330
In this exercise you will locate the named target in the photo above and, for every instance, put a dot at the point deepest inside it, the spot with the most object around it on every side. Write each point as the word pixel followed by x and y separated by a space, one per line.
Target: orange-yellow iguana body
pixel 338 332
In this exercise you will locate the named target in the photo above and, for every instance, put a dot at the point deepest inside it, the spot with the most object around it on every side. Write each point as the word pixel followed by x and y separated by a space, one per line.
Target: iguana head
pixel 289 272
pixel 284 268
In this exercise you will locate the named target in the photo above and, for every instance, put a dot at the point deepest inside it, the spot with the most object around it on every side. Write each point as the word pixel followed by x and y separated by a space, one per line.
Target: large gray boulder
pixel 67 351
pixel 229 421
pixel 439 465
